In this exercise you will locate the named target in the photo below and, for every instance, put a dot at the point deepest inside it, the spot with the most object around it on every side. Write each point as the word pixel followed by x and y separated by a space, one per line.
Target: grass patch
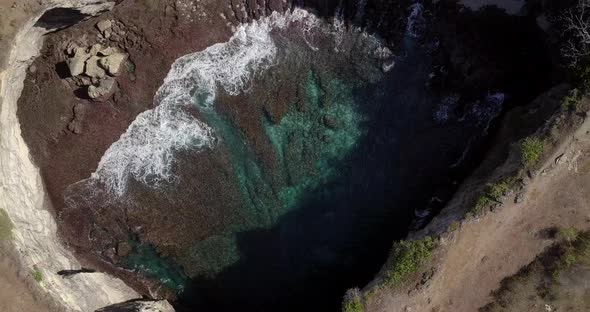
pixel 538 284
pixel 568 235
pixel 501 188
pixel 5 225
pixel 353 301
pixel 482 203
pixel 407 257
pixel 531 150
pixel 37 275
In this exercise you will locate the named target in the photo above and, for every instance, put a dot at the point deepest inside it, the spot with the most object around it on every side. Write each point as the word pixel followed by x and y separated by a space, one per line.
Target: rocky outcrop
pixel 22 191
pixel 95 66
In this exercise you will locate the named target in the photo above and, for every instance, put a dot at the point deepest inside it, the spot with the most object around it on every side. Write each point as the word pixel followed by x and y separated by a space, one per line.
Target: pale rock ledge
pixel 22 193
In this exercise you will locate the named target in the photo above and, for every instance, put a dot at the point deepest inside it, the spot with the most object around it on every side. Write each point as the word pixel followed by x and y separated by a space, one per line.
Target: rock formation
pixel 22 192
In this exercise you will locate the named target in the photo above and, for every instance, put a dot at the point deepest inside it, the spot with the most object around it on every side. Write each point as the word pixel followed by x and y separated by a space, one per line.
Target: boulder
pixel 103 25
pixel 71 48
pixel 95 48
pixel 76 63
pixel 112 63
pixel 106 87
pixel 93 69
pixel 108 51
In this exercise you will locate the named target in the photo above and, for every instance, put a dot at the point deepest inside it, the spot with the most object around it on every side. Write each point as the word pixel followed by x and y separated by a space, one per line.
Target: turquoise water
pixel 309 144
pixel 146 260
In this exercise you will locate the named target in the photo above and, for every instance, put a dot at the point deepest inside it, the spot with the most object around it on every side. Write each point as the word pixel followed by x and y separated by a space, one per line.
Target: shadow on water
pixel 340 233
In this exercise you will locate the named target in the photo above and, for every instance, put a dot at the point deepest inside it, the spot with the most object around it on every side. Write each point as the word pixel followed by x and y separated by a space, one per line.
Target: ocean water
pixel 323 188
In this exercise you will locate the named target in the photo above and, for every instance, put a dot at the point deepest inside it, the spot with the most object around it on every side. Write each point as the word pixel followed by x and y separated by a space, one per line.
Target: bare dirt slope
pixel 481 253
pixel 15 296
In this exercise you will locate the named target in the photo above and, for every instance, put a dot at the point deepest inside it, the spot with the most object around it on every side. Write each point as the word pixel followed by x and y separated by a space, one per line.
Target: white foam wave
pixel 146 150
pixel 416 22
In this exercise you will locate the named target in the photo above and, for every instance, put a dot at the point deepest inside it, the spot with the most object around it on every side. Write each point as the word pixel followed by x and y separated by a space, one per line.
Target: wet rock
pixel 123 249
pixel 112 63
pixel 106 88
pixel 77 62
pixel 93 69
pixel 104 25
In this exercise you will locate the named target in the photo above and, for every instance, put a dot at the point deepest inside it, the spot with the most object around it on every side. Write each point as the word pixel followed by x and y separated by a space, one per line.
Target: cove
pixel 289 160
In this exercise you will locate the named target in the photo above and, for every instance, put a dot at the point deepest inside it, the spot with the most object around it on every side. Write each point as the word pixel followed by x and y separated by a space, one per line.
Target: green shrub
pixel 407 257
pixel 568 235
pixel 575 251
pixel 501 188
pixel 493 193
pixel 353 301
pixel 531 150
pixel 482 203
pixel 5 225
pixel 573 100
pixel 37 275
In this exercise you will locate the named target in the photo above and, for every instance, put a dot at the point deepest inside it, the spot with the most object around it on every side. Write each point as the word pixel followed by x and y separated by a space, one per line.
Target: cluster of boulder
pixel 96 66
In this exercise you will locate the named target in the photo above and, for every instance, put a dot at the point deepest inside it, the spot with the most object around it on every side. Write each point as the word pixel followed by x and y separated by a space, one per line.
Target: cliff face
pixel 21 190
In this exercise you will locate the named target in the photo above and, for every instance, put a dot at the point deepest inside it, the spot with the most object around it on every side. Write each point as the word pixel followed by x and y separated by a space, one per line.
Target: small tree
pixel 576 23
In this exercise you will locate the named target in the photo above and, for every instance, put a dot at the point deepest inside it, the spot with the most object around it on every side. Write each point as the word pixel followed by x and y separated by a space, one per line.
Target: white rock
pixel 71 48
pixel 105 88
pixel 104 25
pixel 95 48
pixel 76 63
pixel 108 51
pixel 22 193
pixel 112 63
pixel 93 69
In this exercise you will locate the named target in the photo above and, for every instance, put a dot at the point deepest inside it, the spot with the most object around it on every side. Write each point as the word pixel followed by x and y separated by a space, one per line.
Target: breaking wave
pixel 146 150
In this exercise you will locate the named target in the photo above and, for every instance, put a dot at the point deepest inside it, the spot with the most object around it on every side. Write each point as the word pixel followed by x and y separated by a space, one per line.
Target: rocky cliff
pixel 21 190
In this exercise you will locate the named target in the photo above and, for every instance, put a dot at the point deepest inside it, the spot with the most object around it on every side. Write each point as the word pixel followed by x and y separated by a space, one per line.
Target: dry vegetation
pixel 556 281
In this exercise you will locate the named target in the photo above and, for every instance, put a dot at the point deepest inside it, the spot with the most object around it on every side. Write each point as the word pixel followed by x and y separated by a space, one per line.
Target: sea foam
pixel 146 150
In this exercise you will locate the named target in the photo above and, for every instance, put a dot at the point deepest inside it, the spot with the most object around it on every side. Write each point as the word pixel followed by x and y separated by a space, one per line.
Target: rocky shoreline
pixel 109 70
